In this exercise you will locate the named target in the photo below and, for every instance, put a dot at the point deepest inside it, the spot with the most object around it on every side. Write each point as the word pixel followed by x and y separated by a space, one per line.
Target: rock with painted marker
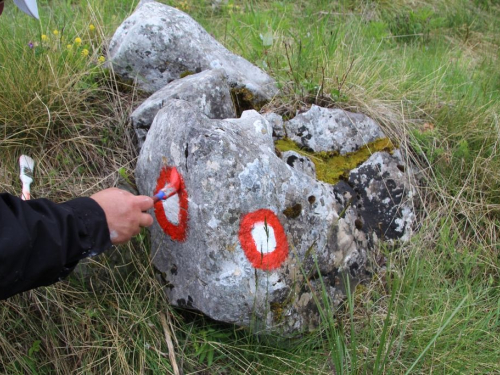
pixel 250 239
pixel 332 129
pixel 208 90
pixel 158 44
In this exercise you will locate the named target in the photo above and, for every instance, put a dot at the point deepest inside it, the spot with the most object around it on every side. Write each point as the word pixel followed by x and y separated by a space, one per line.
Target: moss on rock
pixel 293 212
pixel 332 167
pixel 186 73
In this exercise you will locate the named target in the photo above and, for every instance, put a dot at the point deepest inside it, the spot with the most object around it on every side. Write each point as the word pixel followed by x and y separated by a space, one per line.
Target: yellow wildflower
pixel 183 5
pixel 91 27
pixel 55 32
pixel 101 59
pixel 78 41
pixel 45 38
pixel 233 8
pixel 69 46
pixel 85 52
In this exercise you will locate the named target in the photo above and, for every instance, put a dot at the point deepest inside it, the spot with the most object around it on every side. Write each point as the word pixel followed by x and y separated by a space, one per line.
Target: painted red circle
pixel 270 260
pixel 176 232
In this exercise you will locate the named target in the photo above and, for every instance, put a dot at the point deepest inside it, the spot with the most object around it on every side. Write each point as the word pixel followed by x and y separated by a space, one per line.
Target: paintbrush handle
pixel 26 165
pixel 159 196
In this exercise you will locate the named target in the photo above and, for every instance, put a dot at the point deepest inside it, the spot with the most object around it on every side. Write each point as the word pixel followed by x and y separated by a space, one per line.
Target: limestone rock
pixel 299 162
pixel 158 44
pixel 384 197
pixel 142 2
pixel 208 90
pixel 276 122
pixel 247 236
pixel 327 129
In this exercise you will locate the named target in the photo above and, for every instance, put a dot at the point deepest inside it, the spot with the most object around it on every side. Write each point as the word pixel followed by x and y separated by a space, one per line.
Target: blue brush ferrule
pixel 161 195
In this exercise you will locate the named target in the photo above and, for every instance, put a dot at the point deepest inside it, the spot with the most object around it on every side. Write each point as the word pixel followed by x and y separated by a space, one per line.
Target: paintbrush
pixel 26 165
pixel 171 188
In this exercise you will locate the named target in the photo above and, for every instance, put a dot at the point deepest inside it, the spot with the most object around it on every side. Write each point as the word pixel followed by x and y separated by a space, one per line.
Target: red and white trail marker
pixel 172 213
pixel 263 239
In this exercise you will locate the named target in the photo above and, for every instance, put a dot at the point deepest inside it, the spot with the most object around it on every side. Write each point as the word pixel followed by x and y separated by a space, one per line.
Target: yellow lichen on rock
pixel 332 167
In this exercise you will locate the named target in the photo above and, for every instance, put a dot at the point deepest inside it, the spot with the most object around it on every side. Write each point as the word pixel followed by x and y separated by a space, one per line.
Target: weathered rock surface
pixel 208 90
pixel 384 198
pixel 276 122
pixel 247 236
pixel 375 186
pixel 158 44
pixel 300 163
pixel 326 129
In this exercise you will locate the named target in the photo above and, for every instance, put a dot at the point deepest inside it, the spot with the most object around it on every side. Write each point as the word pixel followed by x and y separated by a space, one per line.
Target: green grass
pixel 428 71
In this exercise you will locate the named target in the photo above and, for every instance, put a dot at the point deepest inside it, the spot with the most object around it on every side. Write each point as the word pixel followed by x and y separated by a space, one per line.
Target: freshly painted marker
pixel 171 188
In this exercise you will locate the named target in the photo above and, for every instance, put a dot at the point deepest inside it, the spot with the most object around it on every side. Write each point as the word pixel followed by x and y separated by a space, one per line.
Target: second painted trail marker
pixel 263 239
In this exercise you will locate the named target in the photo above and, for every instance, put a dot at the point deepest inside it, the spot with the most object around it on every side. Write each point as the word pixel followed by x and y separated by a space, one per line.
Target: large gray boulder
pixel 158 44
pixel 208 90
pixel 251 240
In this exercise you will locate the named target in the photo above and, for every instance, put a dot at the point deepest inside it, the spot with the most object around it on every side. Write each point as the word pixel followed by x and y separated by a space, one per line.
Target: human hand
pixel 125 213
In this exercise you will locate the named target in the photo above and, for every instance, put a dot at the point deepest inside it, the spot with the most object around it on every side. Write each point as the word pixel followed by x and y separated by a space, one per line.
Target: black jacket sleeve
pixel 41 242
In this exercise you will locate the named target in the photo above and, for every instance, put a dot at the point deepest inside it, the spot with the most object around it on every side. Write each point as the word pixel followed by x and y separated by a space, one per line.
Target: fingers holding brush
pixel 125 213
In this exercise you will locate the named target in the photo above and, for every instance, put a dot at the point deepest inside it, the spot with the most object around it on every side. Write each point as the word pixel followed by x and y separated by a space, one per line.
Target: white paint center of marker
pixel 172 209
pixel 264 241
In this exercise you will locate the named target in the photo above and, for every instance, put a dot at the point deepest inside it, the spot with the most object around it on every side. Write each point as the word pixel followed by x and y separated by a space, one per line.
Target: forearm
pixel 41 241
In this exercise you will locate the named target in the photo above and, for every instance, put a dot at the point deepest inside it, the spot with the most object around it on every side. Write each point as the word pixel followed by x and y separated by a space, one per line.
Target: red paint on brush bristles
pixel 270 260
pixel 175 180
pixel 170 189
pixel 169 176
